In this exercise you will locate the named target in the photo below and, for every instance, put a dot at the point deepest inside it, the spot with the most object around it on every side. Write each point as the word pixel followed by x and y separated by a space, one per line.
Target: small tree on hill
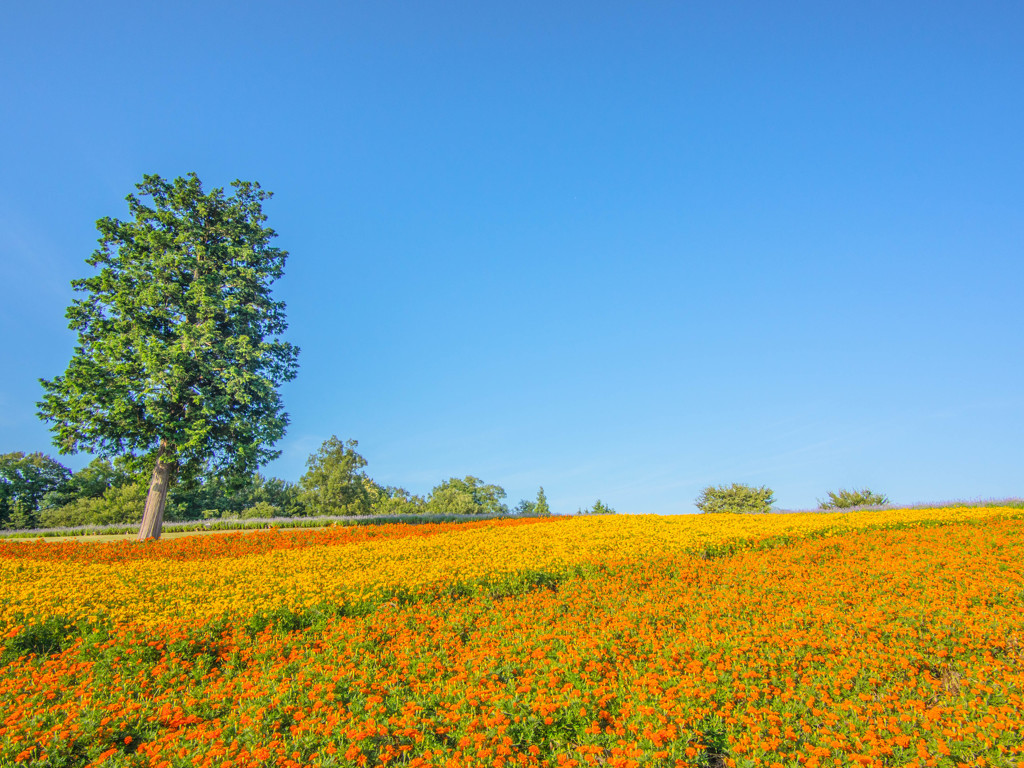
pixel 525 508
pixel 334 483
pixel 735 499
pixel 178 357
pixel 467 496
pixel 540 507
pixel 844 499
pixel 599 508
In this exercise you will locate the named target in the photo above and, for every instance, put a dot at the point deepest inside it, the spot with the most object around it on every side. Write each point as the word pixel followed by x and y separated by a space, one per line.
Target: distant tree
pixel 238 495
pixel 599 508
pixel 844 499
pixel 120 504
pixel 285 496
pixel 22 516
pixel 25 480
pixel 525 508
pixel 468 496
pixel 227 495
pixel 261 509
pixel 735 499
pixel 392 500
pixel 90 482
pixel 112 492
pixel 99 475
pixel 178 357
pixel 334 483
pixel 540 507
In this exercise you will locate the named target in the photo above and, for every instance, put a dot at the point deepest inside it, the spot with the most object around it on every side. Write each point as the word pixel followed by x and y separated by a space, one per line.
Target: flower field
pixel 887 638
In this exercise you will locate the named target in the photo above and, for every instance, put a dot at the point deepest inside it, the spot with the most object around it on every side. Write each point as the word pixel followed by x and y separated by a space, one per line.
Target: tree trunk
pixel 156 499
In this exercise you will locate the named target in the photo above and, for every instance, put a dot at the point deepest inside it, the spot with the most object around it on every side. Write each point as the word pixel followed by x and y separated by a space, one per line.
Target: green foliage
pixel 42 638
pixel 112 493
pixel 25 480
pixel 120 504
pixel 524 508
pixel 282 494
pixel 735 499
pixel 844 499
pixel 599 508
pixel 468 496
pixel 540 507
pixel 22 516
pixel 227 495
pixel 391 500
pixel 334 483
pixel 260 510
pixel 178 350
pixel 90 482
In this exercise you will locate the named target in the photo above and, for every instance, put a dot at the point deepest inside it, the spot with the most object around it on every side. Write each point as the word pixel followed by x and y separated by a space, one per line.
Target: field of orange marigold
pixel 874 638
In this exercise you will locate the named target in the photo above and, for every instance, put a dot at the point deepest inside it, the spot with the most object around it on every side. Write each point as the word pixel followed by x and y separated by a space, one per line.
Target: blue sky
pixel 620 250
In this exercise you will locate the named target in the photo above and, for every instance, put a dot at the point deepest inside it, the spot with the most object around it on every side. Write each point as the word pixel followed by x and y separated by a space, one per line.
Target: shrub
pixel 845 499
pixel 737 499
pixel 467 497
pixel 599 508
pixel 261 509
pixel 524 508
pixel 119 504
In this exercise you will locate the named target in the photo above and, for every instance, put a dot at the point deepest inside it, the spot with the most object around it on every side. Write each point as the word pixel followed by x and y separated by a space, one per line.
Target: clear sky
pixel 620 250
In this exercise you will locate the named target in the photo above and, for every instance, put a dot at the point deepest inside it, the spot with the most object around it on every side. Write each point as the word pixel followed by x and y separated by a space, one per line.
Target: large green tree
pixel 179 354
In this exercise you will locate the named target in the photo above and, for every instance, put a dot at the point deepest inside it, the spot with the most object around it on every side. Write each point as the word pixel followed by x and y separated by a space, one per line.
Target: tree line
pixel 37 491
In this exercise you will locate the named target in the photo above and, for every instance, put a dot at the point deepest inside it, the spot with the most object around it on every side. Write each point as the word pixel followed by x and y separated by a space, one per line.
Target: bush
pixel 845 499
pixel 391 500
pixel 469 496
pixel 599 508
pixel 260 510
pixel 737 499
pixel 120 504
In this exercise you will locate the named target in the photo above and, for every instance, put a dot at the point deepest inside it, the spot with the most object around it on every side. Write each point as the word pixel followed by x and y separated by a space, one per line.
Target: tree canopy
pixel 467 496
pixel 179 354
pixel 25 479
pixel 844 499
pixel 599 508
pixel 540 507
pixel 334 483
pixel 738 498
